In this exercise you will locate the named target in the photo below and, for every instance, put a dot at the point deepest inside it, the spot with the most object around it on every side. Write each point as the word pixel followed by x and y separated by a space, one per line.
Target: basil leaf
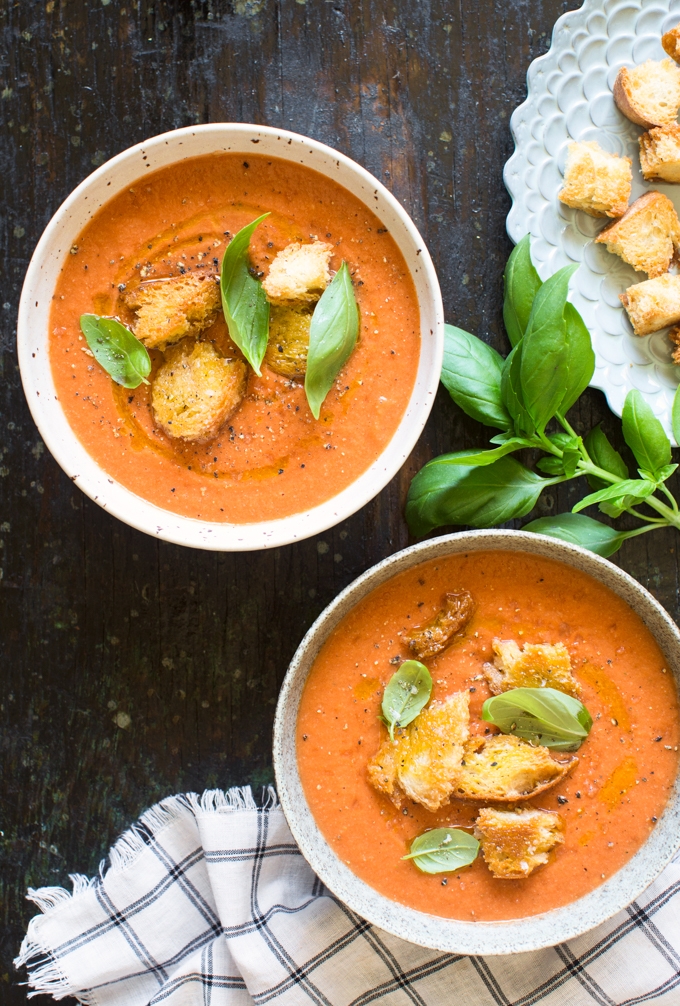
pixel 482 458
pixel 522 283
pixel 675 416
pixel 511 392
pixel 540 715
pixel 604 456
pixel 448 492
pixel 636 489
pixel 407 692
pixel 245 305
pixel 544 369
pixel 580 530
pixel 644 434
pixel 580 358
pixel 471 374
pixel 332 337
pixel 117 350
pixel 443 850
pixel 551 465
pixel 661 475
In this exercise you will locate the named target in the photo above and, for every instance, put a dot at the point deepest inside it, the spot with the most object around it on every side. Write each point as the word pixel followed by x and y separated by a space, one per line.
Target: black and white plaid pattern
pixel 208 901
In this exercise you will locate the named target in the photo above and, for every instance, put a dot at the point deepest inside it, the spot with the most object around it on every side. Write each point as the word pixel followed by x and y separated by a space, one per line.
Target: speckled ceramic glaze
pixel 33 332
pixel 570 98
pixel 450 934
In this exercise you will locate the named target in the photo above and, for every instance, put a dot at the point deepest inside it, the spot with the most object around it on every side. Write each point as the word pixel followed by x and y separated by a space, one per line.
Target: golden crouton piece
pixel 505 769
pixel 196 390
pixel 170 309
pixel 288 339
pixel 536 665
pixel 670 40
pixel 427 640
pixel 660 153
pixel 654 304
pixel 515 842
pixel 649 94
pixel 674 336
pixel 596 182
pixel 647 236
pixel 300 273
pixel 423 762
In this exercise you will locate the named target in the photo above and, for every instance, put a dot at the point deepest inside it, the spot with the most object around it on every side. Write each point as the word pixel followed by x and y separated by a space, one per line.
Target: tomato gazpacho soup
pixel 488 736
pixel 235 338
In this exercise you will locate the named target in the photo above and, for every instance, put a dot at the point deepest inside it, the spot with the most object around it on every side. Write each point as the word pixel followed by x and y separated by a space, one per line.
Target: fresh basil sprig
pixel 540 715
pixel 117 350
pixel 332 337
pixel 550 365
pixel 443 850
pixel 406 694
pixel 245 305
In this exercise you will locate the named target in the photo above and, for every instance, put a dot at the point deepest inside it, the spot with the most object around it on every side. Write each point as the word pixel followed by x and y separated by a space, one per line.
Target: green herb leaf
pixel 511 393
pixel 522 283
pixel 471 374
pixel 644 434
pixel 448 492
pixel 580 358
pixel 540 715
pixel 407 692
pixel 604 456
pixel 580 530
pixel 482 458
pixel 635 489
pixel 245 306
pixel 117 350
pixel 443 850
pixel 675 416
pixel 332 337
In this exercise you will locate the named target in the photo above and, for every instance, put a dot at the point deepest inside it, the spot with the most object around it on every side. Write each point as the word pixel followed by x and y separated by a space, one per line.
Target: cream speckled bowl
pixel 513 936
pixel 33 332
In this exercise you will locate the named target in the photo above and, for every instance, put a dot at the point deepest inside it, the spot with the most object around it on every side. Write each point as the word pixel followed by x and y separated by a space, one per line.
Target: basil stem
pixel 245 305
pixel 117 350
pixel 443 850
pixel 332 337
pixel 407 692
pixel 540 715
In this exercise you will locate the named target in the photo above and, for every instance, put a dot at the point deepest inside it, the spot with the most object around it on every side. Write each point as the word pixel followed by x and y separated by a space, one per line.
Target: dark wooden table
pixel 133 669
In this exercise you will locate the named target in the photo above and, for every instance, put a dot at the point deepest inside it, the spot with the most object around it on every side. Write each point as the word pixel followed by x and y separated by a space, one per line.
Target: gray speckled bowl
pixel 429 930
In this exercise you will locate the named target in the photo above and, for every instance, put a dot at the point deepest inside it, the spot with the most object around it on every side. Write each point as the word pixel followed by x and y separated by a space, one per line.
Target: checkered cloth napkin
pixel 208 901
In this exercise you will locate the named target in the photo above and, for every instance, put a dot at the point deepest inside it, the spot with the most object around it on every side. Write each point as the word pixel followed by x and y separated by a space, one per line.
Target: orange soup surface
pixel 609 802
pixel 272 458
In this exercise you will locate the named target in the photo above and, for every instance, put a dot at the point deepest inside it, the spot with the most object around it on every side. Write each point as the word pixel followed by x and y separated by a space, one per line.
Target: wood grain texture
pixel 132 669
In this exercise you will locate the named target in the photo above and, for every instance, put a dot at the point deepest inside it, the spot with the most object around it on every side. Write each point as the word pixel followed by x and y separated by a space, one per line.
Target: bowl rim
pixel 452 935
pixel 134 509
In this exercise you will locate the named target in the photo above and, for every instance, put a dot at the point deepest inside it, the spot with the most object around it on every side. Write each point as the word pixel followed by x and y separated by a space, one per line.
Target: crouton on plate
pixel 288 339
pixel 536 665
pixel 427 640
pixel 660 153
pixel 196 390
pixel 654 304
pixel 670 40
pixel 299 273
pixel 674 336
pixel 505 769
pixel 171 309
pixel 647 236
pixel 423 762
pixel 515 842
pixel 649 94
pixel 596 182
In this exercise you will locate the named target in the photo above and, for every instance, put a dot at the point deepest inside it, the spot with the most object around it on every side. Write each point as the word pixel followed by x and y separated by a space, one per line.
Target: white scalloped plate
pixel 570 98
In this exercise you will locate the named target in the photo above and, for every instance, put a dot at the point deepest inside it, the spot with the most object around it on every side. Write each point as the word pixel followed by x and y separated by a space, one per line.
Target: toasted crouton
pixel 674 336
pixel 536 665
pixel 170 309
pixel 649 94
pixel 596 182
pixel 654 304
pixel 505 769
pixel 434 636
pixel 660 153
pixel 515 842
pixel 647 236
pixel 196 390
pixel 288 339
pixel 670 40
pixel 300 273
pixel 423 762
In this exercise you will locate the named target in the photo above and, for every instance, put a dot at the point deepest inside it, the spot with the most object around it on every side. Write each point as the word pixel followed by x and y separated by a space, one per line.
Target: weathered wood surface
pixel 132 669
